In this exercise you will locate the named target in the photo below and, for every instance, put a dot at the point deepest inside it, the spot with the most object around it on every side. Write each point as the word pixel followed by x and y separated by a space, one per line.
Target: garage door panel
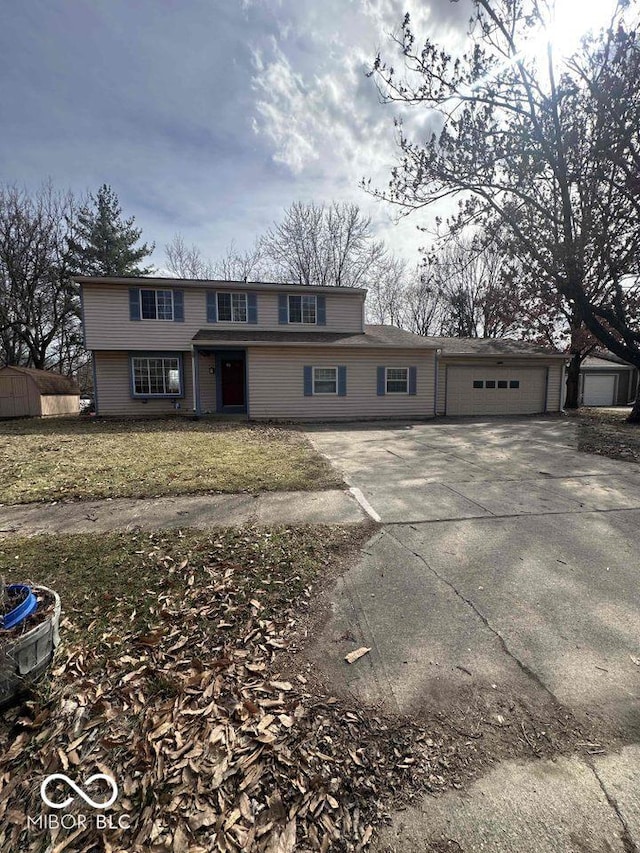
pixel 599 390
pixel 481 390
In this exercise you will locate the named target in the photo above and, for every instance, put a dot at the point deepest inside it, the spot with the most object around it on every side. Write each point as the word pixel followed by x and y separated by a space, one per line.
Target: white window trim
pixel 158 394
pixel 386 381
pixel 232 293
pixel 301 322
pixel 157 319
pixel 313 380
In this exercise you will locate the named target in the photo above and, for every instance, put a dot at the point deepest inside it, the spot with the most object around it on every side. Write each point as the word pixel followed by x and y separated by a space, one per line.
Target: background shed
pixel 606 380
pixel 25 392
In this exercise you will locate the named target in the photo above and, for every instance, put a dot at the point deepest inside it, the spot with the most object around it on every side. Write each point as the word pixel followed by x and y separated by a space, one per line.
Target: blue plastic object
pixel 23 610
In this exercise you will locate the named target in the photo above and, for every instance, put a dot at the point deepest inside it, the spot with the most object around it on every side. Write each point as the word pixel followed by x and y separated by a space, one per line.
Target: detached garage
pixel 606 380
pixel 25 392
pixel 478 376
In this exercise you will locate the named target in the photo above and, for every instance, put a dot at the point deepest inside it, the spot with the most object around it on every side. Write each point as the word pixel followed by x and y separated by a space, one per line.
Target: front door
pixel 232 374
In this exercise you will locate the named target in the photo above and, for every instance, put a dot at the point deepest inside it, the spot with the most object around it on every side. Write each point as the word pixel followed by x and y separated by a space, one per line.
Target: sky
pixel 209 117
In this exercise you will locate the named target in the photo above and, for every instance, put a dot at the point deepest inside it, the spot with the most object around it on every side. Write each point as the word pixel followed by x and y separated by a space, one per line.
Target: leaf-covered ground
pixel 176 677
pixel 83 458
pixel 605 432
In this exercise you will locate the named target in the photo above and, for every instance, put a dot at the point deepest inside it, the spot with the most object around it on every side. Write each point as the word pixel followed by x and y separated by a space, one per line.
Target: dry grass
pixel 63 459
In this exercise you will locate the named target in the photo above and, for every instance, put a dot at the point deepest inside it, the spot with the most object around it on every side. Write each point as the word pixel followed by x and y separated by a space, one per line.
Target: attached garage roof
pixel 492 347
pixel 47 381
pixel 373 336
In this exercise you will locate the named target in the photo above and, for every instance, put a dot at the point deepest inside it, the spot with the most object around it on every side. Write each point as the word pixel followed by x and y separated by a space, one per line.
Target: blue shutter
pixel 134 303
pixel 178 306
pixel 342 381
pixel 283 313
pixel 252 308
pixel 308 382
pixel 381 382
pixel 322 310
pixel 413 381
pixel 212 307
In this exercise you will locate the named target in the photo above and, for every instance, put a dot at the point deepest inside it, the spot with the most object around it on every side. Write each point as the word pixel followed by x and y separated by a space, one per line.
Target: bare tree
pixel 546 146
pixel 320 245
pixel 477 299
pixel 236 265
pixel 187 261
pixel 39 305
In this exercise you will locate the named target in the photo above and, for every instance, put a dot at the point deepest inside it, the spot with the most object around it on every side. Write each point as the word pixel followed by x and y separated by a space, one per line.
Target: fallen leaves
pixel 355 655
pixel 212 747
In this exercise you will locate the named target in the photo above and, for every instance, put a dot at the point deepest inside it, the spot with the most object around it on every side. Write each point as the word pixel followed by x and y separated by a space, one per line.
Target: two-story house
pixel 281 351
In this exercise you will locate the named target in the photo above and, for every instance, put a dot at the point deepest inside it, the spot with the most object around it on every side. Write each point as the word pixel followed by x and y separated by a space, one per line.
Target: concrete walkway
pixel 201 511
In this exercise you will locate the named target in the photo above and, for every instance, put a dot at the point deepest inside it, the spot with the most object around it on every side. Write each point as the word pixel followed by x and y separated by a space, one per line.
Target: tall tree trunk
pixel 634 417
pixel 573 382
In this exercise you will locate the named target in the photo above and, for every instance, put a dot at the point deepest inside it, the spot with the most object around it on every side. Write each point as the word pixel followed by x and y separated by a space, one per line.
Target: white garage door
pixel 477 390
pixel 599 390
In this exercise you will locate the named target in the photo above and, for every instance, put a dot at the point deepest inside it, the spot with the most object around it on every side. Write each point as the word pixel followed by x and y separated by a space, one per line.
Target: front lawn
pixel 62 459
pixel 605 432
pixel 178 677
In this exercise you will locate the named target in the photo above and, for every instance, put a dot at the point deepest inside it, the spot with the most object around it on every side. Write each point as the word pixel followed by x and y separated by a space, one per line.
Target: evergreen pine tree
pixel 103 242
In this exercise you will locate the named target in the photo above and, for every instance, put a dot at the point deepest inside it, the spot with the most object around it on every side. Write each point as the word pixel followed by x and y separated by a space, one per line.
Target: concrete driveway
pixel 508 565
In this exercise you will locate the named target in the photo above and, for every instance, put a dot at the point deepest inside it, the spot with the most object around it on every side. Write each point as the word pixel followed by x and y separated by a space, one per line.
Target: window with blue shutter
pixel 212 307
pixel 252 303
pixel 308 381
pixel 381 381
pixel 342 381
pixel 134 303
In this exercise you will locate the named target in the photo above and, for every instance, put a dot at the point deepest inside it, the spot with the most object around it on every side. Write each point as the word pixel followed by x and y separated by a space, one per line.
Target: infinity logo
pixel 71 784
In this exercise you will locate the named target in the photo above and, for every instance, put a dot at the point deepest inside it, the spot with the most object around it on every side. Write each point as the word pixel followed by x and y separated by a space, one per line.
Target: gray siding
pixel 276 384
pixel 114 388
pixel 107 323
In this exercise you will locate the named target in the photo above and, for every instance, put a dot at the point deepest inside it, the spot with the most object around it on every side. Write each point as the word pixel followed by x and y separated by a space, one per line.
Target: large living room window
pixel 325 380
pixel 156 304
pixel 303 309
pixel 232 307
pixel 156 377
pixel 397 380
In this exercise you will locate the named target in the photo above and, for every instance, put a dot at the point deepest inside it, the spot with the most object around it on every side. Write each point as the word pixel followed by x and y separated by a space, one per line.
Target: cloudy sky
pixel 207 117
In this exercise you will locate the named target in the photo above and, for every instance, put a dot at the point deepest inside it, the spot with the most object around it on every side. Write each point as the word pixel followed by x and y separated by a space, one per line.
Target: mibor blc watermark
pixel 95 819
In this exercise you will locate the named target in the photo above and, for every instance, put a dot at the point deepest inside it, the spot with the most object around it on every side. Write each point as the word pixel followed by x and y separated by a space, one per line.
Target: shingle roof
pixel 605 362
pixel 47 381
pixel 219 284
pixel 491 346
pixel 373 336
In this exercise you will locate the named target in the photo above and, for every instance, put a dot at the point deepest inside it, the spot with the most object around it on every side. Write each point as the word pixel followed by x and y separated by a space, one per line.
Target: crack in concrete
pixel 520 664
pixel 627 841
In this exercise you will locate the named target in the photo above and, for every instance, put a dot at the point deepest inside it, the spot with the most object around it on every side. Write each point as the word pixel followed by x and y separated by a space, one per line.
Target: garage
pixel 497 376
pixel 480 390
pixel 599 389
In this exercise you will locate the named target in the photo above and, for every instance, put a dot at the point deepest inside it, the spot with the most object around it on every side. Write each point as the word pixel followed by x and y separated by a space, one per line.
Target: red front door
pixel 233 382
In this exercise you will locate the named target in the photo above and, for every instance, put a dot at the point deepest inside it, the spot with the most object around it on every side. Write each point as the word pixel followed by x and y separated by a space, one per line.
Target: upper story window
pixel 303 309
pixel 150 303
pixel 156 304
pixel 232 307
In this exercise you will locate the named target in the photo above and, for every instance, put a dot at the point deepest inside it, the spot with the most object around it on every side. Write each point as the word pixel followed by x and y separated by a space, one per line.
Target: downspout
pixel 435 385
pixel 546 394
pixel 563 385
pixel 195 372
